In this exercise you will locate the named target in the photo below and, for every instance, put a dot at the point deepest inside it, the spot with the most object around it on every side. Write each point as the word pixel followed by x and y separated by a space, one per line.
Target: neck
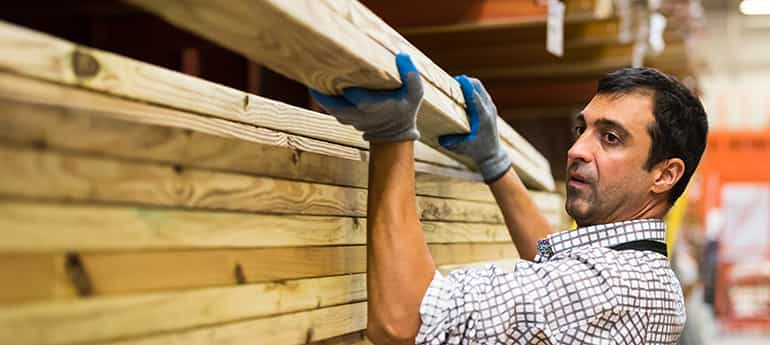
pixel 652 209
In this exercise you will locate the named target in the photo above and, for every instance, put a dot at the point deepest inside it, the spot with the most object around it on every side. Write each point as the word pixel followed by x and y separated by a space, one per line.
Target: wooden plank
pixel 298 328
pixel 351 58
pixel 374 27
pixel 47 175
pixel 102 273
pixel 106 133
pixel 29 91
pixel 29 277
pixel 108 318
pixel 61 61
pixel 40 227
pixel 39 55
pixel 317 49
pixel 110 133
pixel 20 89
pixel 358 338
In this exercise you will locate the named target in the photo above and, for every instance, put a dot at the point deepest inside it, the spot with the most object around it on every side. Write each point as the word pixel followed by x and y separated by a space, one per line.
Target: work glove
pixel 383 116
pixel 482 144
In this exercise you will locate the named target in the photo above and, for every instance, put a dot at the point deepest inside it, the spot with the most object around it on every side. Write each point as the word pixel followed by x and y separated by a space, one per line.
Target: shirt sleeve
pixel 531 303
pixel 482 305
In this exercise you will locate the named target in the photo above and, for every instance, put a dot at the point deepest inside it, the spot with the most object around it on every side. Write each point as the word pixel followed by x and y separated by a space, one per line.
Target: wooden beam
pixel 55 176
pixel 291 329
pixel 20 89
pixel 102 273
pixel 111 317
pixel 366 21
pixel 44 227
pixel 358 338
pixel 38 55
pixel 108 318
pixel 103 132
pixel 35 277
pixel 351 57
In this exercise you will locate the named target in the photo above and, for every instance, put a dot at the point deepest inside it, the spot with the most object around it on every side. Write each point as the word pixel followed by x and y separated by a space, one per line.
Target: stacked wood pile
pixel 140 205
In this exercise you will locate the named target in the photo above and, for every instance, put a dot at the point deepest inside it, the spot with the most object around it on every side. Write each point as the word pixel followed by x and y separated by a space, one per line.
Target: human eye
pixel 611 138
pixel 578 130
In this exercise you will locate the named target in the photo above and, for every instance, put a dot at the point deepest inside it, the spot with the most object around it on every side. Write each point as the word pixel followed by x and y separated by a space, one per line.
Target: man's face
pixel 607 180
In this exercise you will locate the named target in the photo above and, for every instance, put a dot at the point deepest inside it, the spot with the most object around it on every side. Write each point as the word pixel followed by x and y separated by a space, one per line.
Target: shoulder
pixel 639 280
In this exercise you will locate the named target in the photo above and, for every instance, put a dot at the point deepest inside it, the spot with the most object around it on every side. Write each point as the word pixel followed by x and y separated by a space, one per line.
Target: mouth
pixel 577 181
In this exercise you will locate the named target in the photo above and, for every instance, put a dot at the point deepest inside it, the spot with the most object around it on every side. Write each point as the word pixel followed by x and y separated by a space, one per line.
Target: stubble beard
pixel 580 204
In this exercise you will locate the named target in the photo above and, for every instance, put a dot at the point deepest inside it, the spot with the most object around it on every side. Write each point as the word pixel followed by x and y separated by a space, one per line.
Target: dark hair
pixel 680 126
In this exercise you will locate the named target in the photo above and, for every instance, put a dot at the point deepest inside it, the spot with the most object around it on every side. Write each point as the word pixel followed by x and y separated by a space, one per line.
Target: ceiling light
pixel 755 7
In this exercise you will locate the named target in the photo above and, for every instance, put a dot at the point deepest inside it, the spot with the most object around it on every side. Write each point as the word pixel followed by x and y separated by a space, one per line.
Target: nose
pixel 582 150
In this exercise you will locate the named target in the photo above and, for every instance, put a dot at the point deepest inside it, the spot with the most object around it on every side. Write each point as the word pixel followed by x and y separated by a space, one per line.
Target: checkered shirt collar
pixel 602 235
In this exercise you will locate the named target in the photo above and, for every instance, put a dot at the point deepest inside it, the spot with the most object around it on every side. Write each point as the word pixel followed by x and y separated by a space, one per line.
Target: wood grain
pixel 298 328
pixel 40 227
pixel 108 134
pixel 339 55
pixel 112 317
pixel 47 175
pixel 29 277
pixel 358 338
pixel 374 27
pixel 320 50
pixel 35 54
pixel 121 316
pixel 103 273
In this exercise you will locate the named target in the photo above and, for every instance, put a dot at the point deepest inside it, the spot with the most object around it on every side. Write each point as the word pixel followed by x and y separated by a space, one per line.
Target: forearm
pixel 525 222
pixel 399 265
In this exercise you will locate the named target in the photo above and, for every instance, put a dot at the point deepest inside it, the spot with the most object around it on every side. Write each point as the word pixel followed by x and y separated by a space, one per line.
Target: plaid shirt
pixel 577 291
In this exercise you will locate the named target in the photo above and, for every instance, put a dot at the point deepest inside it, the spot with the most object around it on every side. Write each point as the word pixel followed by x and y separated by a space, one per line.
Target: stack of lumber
pixel 139 205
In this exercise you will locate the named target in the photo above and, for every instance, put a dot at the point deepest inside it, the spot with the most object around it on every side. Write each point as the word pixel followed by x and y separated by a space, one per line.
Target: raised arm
pixel 399 265
pixel 525 222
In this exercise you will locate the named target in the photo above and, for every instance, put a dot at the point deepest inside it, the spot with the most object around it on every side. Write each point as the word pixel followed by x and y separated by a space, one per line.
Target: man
pixel 608 282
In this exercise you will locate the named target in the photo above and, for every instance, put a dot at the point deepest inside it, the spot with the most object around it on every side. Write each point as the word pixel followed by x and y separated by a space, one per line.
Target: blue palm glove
pixel 482 144
pixel 383 116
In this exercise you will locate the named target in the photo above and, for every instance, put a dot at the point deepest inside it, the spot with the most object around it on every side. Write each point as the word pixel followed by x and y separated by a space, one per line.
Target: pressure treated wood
pixel 314 47
pixel 107 134
pixel 358 338
pixel 351 57
pixel 293 157
pixel 290 329
pixel 29 277
pixel 103 273
pixel 112 317
pixel 47 175
pixel 35 54
pixel 374 27
pixel 40 227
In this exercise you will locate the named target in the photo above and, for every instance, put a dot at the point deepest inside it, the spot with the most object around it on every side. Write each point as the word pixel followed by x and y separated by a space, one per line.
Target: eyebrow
pixel 607 124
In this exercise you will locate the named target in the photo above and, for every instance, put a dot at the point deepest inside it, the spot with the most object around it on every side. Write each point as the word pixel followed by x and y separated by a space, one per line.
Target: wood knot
pixel 296 156
pixel 240 277
pixel 84 65
pixel 78 275
pixel 309 335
